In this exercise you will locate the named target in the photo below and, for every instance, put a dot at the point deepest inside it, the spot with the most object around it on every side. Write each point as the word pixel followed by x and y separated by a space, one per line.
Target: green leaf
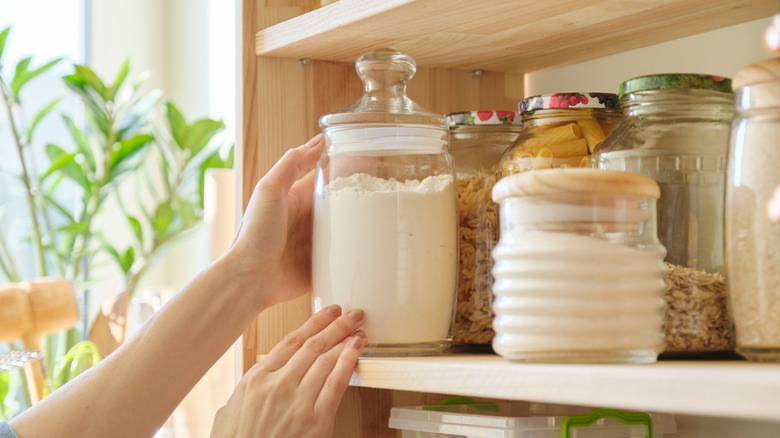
pixel 24 75
pixel 94 103
pixel 3 38
pixel 5 377
pixel 58 207
pixel 185 209
pixel 92 80
pixel 177 124
pixel 126 261
pixel 137 116
pixel 200 133
pixel 108 247
pixel 120 78
pixel 163 217
pixel 125 149
pixel 82 143
pixel 58 163
pixel 135 224
pixel 41 114
pixel 71 169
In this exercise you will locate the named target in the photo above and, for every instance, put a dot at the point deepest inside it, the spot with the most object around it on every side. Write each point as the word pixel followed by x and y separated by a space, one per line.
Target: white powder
pixel 389 248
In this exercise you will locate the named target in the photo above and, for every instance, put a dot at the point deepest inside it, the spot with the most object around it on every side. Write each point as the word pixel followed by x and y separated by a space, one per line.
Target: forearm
pixel 135 389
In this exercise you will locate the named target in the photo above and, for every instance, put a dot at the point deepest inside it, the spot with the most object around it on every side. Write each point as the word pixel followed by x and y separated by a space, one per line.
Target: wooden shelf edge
pixel 517 37
pixel 730 389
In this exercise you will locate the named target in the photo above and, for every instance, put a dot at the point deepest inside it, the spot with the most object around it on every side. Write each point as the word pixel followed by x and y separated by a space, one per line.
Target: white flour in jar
pixel 389 248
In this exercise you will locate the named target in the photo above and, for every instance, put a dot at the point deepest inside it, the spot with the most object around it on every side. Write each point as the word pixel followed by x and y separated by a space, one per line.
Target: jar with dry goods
pixel 753 212
pixel 477 140
pixel 675 130
pixel 578 268
pixel 385 230
pixel 560 130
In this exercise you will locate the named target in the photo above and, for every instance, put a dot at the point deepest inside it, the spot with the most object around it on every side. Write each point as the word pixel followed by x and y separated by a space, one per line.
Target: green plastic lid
pixel 675 81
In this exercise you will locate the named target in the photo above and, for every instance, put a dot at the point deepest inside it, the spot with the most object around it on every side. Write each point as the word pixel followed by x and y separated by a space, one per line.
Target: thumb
pixel 294 162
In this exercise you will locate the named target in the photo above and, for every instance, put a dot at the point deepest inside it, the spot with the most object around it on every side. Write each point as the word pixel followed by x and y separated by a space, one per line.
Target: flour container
pixel 578 268
pixel 385 214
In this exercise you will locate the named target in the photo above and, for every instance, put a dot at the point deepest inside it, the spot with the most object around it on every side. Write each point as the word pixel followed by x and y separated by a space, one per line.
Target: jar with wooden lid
pixel 477 140
pixel 578 268
pixel 753 212
pixel 560 130
pixel 675 130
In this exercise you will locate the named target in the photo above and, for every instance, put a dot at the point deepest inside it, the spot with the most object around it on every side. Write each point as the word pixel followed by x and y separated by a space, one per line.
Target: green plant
pixel 131 138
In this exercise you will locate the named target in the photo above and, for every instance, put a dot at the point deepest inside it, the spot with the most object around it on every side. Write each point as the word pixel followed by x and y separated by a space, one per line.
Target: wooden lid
pixel 575 182
pixel 760 72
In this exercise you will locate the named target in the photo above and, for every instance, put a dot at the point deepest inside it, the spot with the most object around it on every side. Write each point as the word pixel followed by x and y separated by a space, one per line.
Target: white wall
pixel 722 52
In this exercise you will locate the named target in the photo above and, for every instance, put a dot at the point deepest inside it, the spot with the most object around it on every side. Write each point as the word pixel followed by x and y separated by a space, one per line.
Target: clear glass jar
pixel 578 268
pixel 385 232
pixel 752 212
pixel 675 130
pixel 560 130
pixel 477 140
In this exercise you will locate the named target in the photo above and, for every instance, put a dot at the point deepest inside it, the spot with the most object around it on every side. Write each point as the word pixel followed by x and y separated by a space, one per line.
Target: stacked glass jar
pixel 560 130
pixel 675 130
pixel 477 140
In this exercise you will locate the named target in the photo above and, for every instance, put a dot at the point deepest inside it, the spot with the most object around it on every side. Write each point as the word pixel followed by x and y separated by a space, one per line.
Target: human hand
pixel 296 389
pixel 273 242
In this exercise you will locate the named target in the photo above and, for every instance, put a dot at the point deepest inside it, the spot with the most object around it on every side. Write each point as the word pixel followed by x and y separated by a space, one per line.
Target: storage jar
pixel 578 268
pixel 385 232
pixel 477 140
pixel 560 130
pixel 675 130
pixel 752 207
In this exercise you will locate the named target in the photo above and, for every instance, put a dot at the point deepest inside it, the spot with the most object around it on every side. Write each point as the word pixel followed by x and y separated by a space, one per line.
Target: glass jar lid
pixel 567 100
pixel 678 81
pixel 555 182
pixel 482 117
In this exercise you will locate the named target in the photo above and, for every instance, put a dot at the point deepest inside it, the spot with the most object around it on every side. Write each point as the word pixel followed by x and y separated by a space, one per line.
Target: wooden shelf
pixel 518 36
pixel 732 389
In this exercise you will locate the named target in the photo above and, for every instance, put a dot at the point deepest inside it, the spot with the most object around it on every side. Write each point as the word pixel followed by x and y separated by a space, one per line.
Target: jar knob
pixel 384 73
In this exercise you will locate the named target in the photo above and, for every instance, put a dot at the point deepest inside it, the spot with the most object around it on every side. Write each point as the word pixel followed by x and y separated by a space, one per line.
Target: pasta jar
pixel 675 130
pixel 560 130
pixel 578 268
pixel 477 140
pixel 753 212
pixel 385 229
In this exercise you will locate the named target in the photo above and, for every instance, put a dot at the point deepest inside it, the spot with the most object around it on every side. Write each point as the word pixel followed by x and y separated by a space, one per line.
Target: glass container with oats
pixel 675 130
pixel 753 212
pixel 560 130
pixel 477 140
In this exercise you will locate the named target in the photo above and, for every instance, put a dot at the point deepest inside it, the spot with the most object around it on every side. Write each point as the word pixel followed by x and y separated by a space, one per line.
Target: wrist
pixel 244 278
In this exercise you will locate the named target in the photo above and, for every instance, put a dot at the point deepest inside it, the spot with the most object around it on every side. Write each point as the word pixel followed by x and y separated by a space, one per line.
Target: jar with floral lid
pixel 477 140
pixel 560 130
pixel 753 212
pixel 385 231
pixel 675 130
pixel 578 268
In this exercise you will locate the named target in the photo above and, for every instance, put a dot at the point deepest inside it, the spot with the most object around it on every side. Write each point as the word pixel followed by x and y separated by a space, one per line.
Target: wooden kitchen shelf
pixel 734 389
pixel 507 36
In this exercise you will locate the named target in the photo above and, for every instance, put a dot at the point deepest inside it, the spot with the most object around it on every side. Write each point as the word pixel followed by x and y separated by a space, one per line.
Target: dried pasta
pixel 591 132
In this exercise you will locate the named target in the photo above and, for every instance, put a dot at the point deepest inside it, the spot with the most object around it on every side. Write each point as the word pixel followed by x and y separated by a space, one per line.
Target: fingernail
pixel 313 141
pixel 358 341
pixel 355 314
pixel 333 310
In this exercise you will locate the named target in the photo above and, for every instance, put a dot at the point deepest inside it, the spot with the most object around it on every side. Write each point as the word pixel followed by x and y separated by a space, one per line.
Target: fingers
pixel 295 161
pixel 293 342
pixel 336 383
pixel 312 383
pixel 319 344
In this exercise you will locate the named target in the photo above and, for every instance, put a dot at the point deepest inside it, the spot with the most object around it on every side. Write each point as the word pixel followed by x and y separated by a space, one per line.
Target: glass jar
pixel 752 219
pixel 578 268
pixel 385 231
pixel 675 130
pixel 477 140
pixel 560 130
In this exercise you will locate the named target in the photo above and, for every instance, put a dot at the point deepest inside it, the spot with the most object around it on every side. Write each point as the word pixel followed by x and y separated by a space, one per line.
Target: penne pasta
pixel 545 137
pixel 566 149
pixel 591 132
pixel 543 159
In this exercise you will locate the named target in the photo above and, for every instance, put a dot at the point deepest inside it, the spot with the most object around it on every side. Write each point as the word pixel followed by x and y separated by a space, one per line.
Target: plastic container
pixel 560 130
pixel 753 212
pixel 675 130
pixel 526 420
pixel 385 214
pixel 477 140
pixel 578 268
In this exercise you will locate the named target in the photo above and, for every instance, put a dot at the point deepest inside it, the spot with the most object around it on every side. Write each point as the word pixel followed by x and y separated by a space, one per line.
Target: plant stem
pixel 10 268
pixel 28 184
